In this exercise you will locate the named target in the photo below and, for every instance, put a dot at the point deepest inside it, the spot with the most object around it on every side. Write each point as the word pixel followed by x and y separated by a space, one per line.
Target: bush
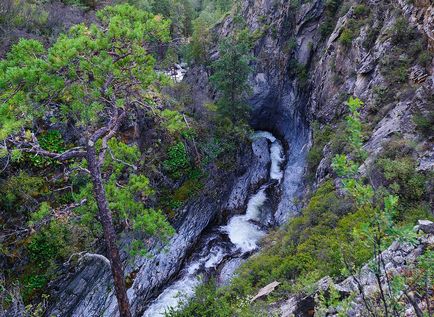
pixel 18 193
pixel 331 7
pixel 177 163
pixel 401 176
pixel 425 123
pixel 396 169
pixel 46 249
pixel 326 28
pixel 51 141
pixel 346 37
pixel 361 11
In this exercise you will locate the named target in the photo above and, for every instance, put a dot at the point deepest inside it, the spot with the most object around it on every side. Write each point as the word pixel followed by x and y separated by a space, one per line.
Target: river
pixel 225 245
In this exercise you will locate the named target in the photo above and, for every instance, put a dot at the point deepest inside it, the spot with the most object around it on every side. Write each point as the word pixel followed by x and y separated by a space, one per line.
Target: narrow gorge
pixel 312 197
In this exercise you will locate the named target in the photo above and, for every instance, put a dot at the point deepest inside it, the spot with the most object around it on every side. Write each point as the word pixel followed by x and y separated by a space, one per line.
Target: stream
pixel 224 246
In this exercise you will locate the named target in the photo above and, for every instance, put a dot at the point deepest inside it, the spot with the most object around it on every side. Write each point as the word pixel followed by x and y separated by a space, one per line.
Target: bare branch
pixel 134 167
pixel 84 255
pixel 112 129
pixel 35 148
pixel 108 131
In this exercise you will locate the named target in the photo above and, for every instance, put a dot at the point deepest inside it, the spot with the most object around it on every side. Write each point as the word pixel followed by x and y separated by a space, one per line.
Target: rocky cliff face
pixel 365 70
pixel 303 71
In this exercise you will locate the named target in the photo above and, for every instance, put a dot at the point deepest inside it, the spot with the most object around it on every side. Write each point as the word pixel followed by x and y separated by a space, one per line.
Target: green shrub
pixel 361 11
pixel 18 193
pixel 371 37
pixel 326 27
pixel 300 71
pixel 396 168
pixel 401 176
pixel 46 250
pixel 51 141
pixel 177 163
pixel 425 123
pixel 346 37
pixel 402 32
pixel 424 57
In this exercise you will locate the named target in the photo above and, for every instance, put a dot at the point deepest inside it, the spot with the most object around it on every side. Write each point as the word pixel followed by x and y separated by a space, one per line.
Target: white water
pixel 177 72
pixel 242 231
pixel 276 153
pixel 184 287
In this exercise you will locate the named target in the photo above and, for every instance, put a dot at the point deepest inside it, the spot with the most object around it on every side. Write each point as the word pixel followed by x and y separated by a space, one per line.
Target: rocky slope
pixel 399 259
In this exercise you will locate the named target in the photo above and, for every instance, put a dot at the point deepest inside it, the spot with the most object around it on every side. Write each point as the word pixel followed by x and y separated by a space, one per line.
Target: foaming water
pixel 241 230
pixel 276 153
pixel 184 288
pixel 244 232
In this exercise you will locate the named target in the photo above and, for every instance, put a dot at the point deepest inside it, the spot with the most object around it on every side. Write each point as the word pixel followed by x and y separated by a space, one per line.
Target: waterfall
pixel 276 152
pixel 244 232
pixel 241 230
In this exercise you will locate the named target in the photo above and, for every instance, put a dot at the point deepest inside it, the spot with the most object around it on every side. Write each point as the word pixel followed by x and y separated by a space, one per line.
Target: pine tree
pixel 230 76
pixel 91 80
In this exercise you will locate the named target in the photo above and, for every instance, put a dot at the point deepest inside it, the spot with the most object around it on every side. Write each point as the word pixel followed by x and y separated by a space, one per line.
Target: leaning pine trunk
pixel 109 233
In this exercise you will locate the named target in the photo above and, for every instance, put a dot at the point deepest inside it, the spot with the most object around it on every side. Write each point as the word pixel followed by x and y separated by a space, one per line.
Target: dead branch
pixel 84 255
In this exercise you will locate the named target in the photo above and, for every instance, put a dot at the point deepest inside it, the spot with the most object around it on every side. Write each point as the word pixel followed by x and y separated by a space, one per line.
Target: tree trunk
pixel 109 232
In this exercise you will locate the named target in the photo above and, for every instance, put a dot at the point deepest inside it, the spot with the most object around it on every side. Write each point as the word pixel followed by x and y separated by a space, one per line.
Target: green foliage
pixel 360 11
pixel 425 123
pixel 121 156
pixel 177 163
pixel 403 183
pixel 354 125
pixel 300 71
pixel 126 196
pixel 402 178
pixel 23 15
pixel 205 304
pixel 51 141
pixel 408 49
pixel 401 32
pixel 83 75
pixel 331 8
pixel 352 28
pixel 174 199
pixel 46 249
pixel 307 248
pixel 43 211
pixel 231 71
pixel 325 302
pixel 346 37
pixel 180 12
pixel 320 138
pixel 18 193
pixel 173 121
pixel 201 41
pixel 66 73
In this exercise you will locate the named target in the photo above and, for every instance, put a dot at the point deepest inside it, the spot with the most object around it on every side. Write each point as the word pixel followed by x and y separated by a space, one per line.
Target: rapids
pixel 243 232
